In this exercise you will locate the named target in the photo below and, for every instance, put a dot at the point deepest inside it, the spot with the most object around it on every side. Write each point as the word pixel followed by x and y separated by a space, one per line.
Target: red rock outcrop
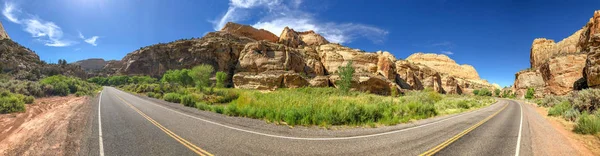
pixel 563 65
pixel 443 63
pixel 249 31
pixel 3 34
pixel 561 72
pixel 528 79
pixel 592 69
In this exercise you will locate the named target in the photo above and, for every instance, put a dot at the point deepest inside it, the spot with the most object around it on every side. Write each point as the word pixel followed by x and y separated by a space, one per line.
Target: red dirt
pixel 44 128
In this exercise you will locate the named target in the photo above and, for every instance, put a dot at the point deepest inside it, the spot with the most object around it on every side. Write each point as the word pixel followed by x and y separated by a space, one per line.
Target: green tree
pixel 497 92
pixel 530 93
pixel 181 77
pixel 345 74
pixel 201 75
pixel 221 76
pixel 476 92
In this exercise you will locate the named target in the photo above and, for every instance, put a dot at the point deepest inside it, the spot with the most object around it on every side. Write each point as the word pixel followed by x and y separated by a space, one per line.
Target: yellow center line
pixel 459 135
pixel 184 142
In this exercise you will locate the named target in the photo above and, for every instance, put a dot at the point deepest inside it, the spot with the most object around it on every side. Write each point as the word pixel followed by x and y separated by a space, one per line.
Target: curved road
pixel 126 124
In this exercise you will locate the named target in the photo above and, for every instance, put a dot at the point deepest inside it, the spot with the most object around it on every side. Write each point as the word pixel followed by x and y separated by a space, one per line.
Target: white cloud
pixel 47 32
pixel 281 14
pixel 447 52
pixel 92 40
pixel 8 12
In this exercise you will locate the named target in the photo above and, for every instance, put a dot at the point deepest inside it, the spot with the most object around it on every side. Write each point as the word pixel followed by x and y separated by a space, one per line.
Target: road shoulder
pixel 555 137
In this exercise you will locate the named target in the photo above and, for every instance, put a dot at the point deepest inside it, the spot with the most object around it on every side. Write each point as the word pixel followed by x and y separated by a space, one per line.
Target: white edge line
pixel 312 139
pixel 101 150
pixel 520 130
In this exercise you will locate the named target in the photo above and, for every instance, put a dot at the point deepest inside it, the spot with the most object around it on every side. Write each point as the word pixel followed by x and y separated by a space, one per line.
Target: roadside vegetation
pixel 15 93
pixel 300 106
pixel 580 107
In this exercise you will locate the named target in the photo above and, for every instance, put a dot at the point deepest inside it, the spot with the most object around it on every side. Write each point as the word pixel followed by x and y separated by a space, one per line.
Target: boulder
pixel 385 65
pixel 319 81
pixel 528 79
pixel 365 82
pixel 263 56
pixel 561 72
pixel 334 56
pixel 262 81
pixel 417 77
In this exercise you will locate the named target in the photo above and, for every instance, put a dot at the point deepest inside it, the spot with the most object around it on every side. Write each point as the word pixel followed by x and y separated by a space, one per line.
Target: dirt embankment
pixel 50 126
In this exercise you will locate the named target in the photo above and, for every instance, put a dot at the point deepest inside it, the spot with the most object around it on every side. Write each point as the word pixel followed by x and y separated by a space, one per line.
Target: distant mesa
pixel 258 59
pixel 92 64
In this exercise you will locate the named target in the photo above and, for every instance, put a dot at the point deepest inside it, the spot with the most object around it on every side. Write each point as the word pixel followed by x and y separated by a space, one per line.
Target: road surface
pixel 126 124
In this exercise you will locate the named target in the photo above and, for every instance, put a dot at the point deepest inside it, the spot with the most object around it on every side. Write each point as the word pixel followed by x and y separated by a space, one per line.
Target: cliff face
pixel 568 65
pixel 444 64
pixel 3 34
pixel 255 59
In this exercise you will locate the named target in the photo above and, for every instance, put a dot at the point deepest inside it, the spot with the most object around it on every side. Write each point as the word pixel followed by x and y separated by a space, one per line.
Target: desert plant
pixel 587 124
pixel 497 92
pixel 530 93
pixel 201 75
pixel 586 100
pixel 220 77
pixel 172 97
pixel 28 99
pixel 559 109
pixel 188 100
pixel 345 73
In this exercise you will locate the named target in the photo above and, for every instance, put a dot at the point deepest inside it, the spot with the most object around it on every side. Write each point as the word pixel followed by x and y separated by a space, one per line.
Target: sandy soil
pixel 50 126
pixel 584 144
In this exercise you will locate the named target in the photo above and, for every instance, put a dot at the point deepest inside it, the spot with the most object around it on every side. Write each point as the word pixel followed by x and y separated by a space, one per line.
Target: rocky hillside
pixel 258 59
pixel 559 68
pixel 92 64
pixel 19 62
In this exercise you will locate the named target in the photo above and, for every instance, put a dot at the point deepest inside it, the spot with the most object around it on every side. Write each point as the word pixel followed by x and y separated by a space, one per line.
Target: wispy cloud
pixel 448 52
pixel 91 40
pixel 47 32
pixel 8 12
pixel 280 14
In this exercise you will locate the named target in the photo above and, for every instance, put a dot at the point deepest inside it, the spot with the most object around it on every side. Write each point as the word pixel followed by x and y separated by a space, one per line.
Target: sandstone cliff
pixel 443 63
pixel 3 34
pixel 256 59
pixel 559 68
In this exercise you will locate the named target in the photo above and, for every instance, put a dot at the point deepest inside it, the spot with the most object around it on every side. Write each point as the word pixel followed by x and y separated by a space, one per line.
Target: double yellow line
pixel 459 135
pixel 186 143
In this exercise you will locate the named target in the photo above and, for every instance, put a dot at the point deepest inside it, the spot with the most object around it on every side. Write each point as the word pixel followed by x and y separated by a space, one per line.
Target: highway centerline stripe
pixel 459 135
pixel 100 143
pixel 316 139
pixel 184 142
pixel 520 130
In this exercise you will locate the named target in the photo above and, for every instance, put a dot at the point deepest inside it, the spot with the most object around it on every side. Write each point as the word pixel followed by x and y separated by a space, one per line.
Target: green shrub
pixel 10 103
pixel 530 93
pixel 201 75
pixel 28 99
pixel 188 100
pixel 345 73
pixel 571 114
pixel 172 97
pixel 476 92
pixel 80 93
pixel 551 100
pixel 180 77
pixel 203 106
pixel 61 88
pixel 151 94
pixel 560 109
pixel 586 100
pixel 587 124
pixel 497 92
pixel 220 77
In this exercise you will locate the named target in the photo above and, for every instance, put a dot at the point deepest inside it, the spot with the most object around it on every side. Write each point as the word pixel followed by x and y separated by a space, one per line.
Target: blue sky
pixel 493 36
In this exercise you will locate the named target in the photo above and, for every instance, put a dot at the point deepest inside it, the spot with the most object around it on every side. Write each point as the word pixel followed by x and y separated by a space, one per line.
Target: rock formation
pixel 3 34
pixel 443 63
pixel 92 64
pixel 564 66
pixel 255 59
pixel 249 31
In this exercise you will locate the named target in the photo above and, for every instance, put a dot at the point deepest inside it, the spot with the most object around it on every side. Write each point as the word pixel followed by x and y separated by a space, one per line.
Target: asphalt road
pixel 134 125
